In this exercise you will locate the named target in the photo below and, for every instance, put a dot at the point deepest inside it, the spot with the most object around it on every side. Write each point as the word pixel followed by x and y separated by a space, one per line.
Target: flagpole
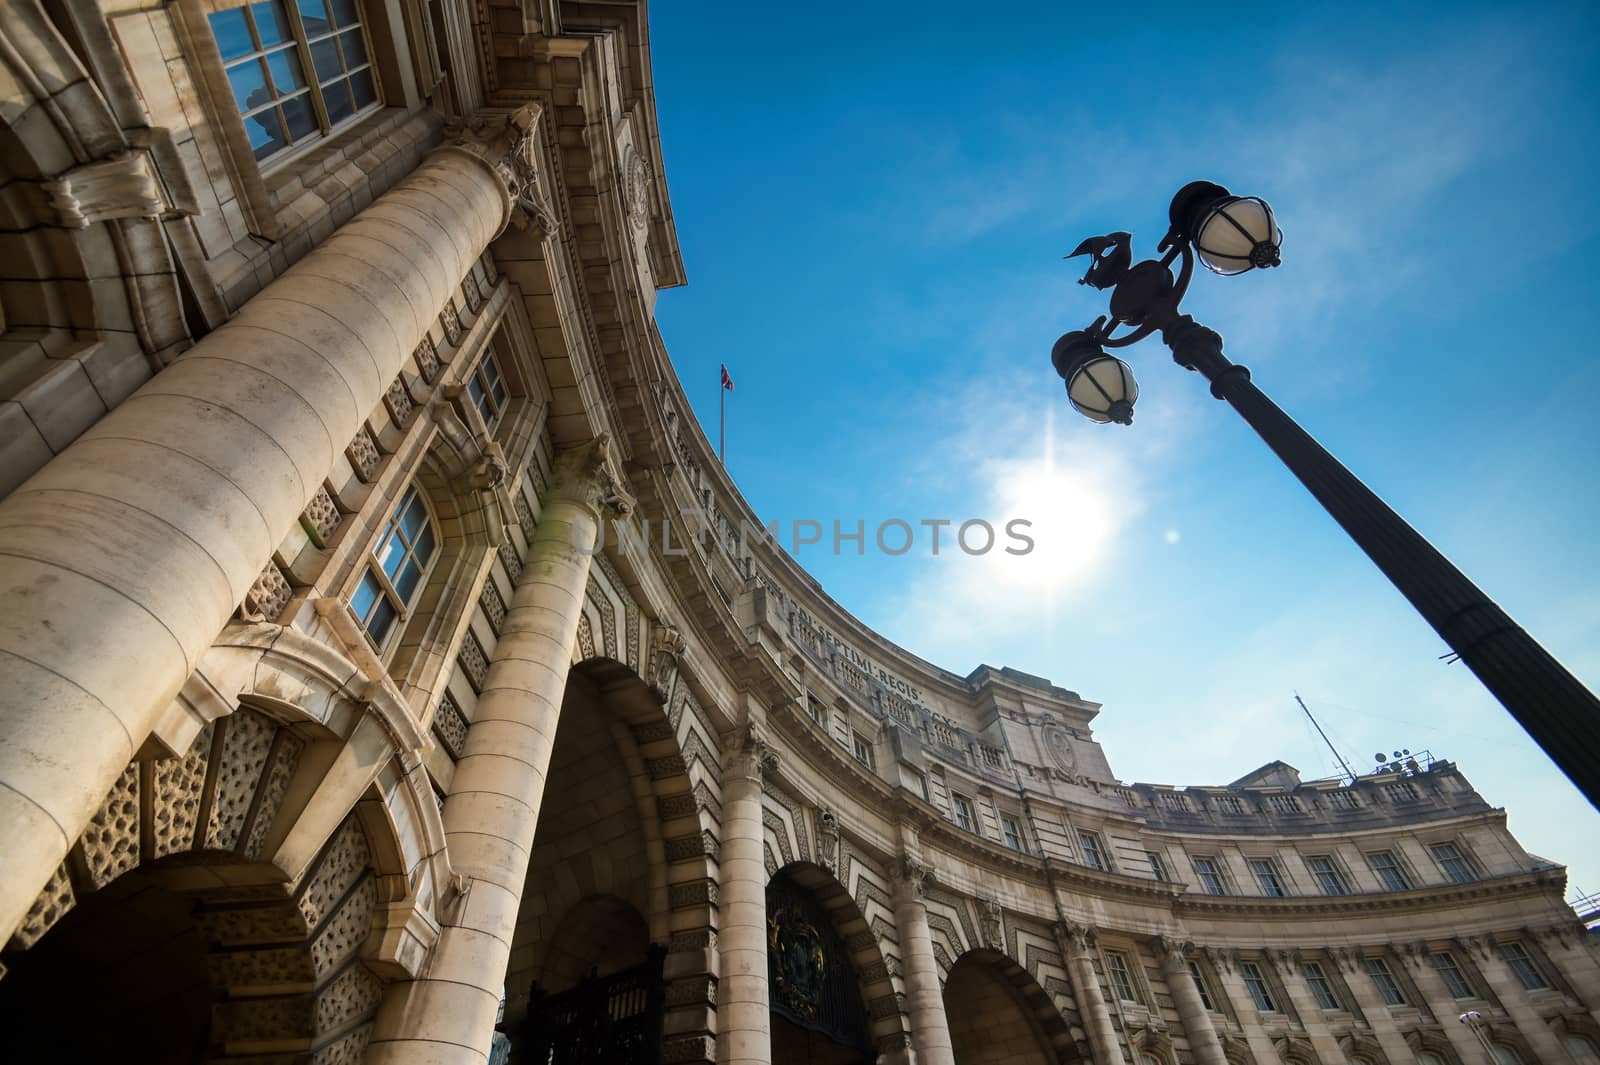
pixel 722 427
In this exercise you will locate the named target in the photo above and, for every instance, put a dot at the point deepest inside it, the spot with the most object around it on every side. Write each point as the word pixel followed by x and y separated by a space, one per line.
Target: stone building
pixel 328 354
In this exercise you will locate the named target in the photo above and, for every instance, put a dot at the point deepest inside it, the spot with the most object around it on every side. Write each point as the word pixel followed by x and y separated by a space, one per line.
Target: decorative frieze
pixel 474 663
pixel 451 321
pixel 124 186
pixel 268 595
pixel 493 606
pixel 363 454
pixel 321 518
pixel 524 515
pixel 450 724
pixel 511 561
pixel 111 842
pixel 426 357
pixel 469 289
pixel 398 400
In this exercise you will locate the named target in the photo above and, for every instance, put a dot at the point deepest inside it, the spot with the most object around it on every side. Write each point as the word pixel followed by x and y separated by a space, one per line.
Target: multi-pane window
pixel 1388 987
pixel 1453 862
pixel 1094 854
pixel 1402 792
pixel 815 711
pixel 1210 875
pixel 1267 876
pixel 1255 981
pixel 1230 804
pixel 487 389
pixel 1516 956
pixel 1011 833
pixel 1284 804
pixel 1327 874
pixel 922 786
pixel 863 750
pixel 1390 875
pixel 1121 978
pixel 267 49
pixel 1157 867
pixel 393 580
pixel 963 808
pixel 1344 800
pixel 1455 981
pixel 1321 988
pixel 1200 986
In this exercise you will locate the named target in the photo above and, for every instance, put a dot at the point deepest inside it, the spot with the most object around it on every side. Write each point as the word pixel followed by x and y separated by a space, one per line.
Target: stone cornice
pixel 1543 882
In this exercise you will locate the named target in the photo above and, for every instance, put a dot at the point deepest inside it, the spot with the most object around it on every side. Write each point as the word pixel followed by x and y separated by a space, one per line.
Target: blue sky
pixel 873 212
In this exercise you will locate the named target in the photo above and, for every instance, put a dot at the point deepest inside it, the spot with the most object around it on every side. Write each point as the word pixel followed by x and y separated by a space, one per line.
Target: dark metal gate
pixel 604 1020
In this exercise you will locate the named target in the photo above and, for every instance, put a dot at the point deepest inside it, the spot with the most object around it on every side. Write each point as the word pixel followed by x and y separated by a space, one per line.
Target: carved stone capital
pixel 507 142
pixel 1080 939
pixel 914 875
pixel 587 476
pixel 1173 951
pixel 749 755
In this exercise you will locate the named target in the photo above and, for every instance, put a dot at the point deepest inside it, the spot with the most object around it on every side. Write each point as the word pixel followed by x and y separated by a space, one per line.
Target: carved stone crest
pixel 636 189
pixel 1058 745
pixel 666 650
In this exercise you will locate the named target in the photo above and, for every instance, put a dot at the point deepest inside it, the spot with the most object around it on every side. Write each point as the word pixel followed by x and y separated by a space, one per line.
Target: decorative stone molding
pixel 1173 951
pixel 636 189
pixel 427 359
pixel 748 754
pixel 1221 958
pixel 473 294
pixel 321 518
pixel 513 563
pixel 667 646
pixel 398 399
pixel 493 606
pixel 124 186
pixel 916 875
pixel 990 923
pixel 507 142
pixel 587 476
pixel 363 454
pixel 474 663
pixel 450 320
pixel 827 839
pixel 1080 939
pixel 451 726
pixel 268 595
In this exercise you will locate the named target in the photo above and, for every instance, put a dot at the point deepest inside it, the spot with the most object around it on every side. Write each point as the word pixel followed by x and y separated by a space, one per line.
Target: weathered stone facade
pixel 323 729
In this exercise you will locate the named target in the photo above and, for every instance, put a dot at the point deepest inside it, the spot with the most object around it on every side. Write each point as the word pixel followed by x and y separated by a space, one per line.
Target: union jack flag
pixel 727 379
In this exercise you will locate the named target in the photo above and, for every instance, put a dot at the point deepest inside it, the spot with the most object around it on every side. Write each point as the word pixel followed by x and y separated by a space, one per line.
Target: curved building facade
pixel 329 734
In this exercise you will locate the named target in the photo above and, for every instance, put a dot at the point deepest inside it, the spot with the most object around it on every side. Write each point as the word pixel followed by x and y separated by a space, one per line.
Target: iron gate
pixel 604 1020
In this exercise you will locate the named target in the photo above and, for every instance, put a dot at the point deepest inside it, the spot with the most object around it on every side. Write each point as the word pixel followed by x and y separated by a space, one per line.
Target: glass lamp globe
pixel 1103 390
pixel 1237 233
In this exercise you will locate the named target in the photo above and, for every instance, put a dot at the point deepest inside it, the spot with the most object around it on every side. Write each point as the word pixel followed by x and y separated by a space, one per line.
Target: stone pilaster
pixel 1291 970
pixel 930 1030
pixel 1438 999
pixel 493 807
pixel 127 553
pixel 744 1029
pixel 1192 1012
pixel 1372 1007
pixel 1078 944
pixel 1516 1000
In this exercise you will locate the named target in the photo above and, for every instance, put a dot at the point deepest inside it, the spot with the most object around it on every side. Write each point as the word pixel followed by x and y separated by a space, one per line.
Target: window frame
pixel 1256 985
pixel 1522 964
pixel 1322 989
pixel 964 812
pixel 1333 874
pixel 485 394
pixel 1090 844
pixel 1452 969
pixel 1468 866
pixel 373 565
pixel 1395 868
pixel 1214 873
pixel 1158 867
pixel 861 748
pixel 300 43
pixel 1120 976
pixel 1277 890
pixel 1383 978
pixel 1011 831
pixel 1200 985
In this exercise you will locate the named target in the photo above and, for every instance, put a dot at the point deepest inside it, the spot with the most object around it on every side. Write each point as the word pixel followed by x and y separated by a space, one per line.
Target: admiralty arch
pixel 328 344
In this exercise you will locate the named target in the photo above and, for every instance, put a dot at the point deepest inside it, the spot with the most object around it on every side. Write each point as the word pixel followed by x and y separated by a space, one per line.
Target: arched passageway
pixel 991 1021
pixel 818 1013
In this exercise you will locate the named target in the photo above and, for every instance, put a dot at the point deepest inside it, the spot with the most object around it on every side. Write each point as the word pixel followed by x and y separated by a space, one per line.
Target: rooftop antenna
pixel 1325 738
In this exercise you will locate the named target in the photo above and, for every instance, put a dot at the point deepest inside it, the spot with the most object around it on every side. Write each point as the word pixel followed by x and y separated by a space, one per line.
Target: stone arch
pixel 874 976
pixel 1358 1047
pixel 187 840
pixel 621 818
pixel 1431 1042
pixel 1041 1019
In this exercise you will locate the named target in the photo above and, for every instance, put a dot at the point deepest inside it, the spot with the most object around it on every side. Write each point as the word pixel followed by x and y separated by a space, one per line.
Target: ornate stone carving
pixel 286 755
pixel 341 865
pixel 1058 745
pixel 509 144
pixel 524 515
pixel 469 289
pixel 363 454
pixel 1173 951
pixel 1220 957
pixel 111 842
pixel 124 186
pixel 636 189
pixel 343 934
pixel 321 518
pixel 450 319
pixel 398 400
pixel 990 924
pixel 494 607
pixel 427 359
pixel 474 663
pixel 1079 938
pixel 246 742
pixel 268 595
pixel 750 755
pixel 451 726
pixel 51 905
pixel 827 838
pixel 915 875
pixel 177 790
pixel 585 474
pixel 511 561
pixel 666 649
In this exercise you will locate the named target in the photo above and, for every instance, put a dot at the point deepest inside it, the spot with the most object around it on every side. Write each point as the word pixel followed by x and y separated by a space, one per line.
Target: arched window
pixel 297 69
pixel 1582 1048
pixel 1428 1057
pixel 1504 1055
pixel 393 578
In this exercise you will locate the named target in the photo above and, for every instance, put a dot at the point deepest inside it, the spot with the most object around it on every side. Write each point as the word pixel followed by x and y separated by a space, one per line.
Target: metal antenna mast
pixel 1325 738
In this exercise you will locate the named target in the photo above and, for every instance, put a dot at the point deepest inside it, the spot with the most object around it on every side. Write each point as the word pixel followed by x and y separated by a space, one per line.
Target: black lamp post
pixel 1231 234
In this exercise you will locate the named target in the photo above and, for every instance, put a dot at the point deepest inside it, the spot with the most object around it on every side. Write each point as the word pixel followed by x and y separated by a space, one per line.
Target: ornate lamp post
pixel 1229 235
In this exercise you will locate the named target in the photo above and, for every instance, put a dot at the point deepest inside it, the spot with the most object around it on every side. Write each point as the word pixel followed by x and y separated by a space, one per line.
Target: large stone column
pixel 1192 1012
pixel 1077 942
pixel 930 1029
pixel 492 810
pixel 744 1027
pixel 123 557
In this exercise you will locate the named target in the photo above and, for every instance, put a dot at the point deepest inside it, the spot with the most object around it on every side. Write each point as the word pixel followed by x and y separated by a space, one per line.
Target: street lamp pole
pixel 1556 709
